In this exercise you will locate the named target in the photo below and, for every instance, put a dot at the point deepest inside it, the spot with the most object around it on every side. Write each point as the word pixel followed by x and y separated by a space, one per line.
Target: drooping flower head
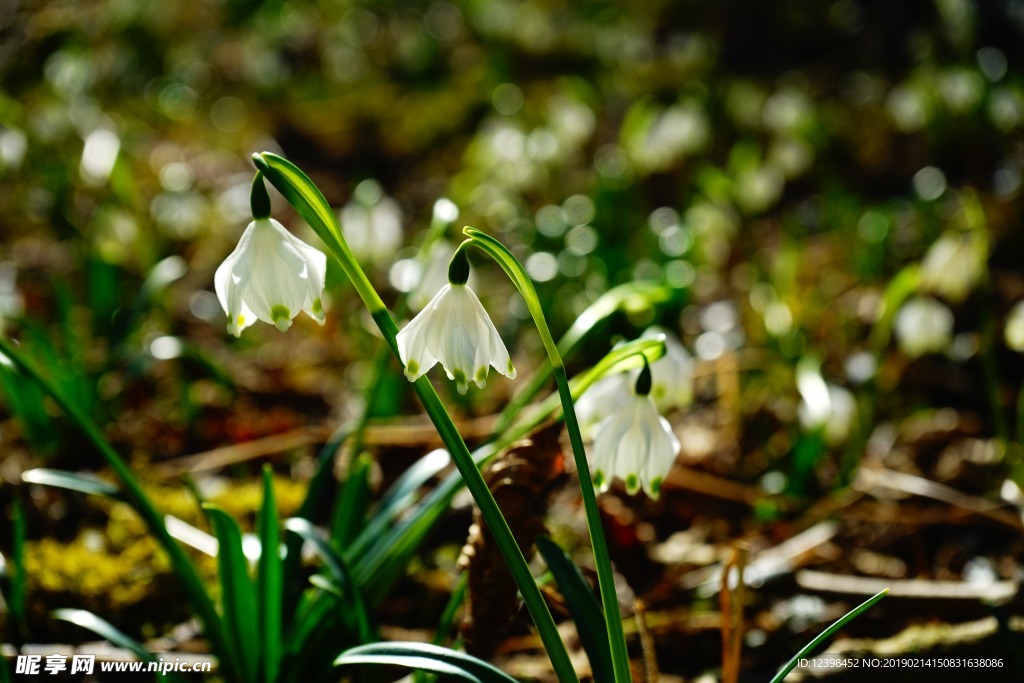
pixel 635 443
pixel 271 275
pixel 455 330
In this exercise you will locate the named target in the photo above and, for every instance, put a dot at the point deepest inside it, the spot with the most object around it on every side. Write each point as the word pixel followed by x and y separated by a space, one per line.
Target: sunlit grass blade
pixel 355 607
pixel 583 606
pixel 397 500
pixel 410 662
pixel 105 629
pixel 269 579
pixel 824 635
pixel 72 481
pixel 412 655
pixel 237 595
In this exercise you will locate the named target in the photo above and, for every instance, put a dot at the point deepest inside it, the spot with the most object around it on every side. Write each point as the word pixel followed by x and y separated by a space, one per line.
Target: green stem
pixel 136 497
pixel 605 577
pixel 300 191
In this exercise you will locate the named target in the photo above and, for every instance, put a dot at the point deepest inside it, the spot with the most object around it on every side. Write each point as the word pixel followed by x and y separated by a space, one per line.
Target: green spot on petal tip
pixel 281 316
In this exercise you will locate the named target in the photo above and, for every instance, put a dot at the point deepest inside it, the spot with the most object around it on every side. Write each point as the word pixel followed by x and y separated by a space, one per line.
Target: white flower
pixel 824 405
pixel 924 325
pixel 270 276
pixel 454 329
pixel 373 223
pixel 634 444
pixel 672 374
pixel 1014 332
pixel 599 401
pixel 953 265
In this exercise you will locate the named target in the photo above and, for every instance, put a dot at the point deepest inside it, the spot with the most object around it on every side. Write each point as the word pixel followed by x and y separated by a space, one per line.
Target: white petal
pixel 271 275
pixel 455 330
pixel 635 444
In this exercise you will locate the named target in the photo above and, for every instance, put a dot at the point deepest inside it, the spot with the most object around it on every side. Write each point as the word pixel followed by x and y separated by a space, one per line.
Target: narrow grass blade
pixel 237 595
pixel 72 481
pixel 583 607
pixel 355 607
pixel 349 515
pixel 397 500
pixel 313 507
pixel 269 580
pixel 105 629
pixel 824 635
pixel 416 663
pixel 397 652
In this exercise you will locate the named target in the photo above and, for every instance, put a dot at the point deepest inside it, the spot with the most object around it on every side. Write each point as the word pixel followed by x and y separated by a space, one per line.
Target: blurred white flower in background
pixel 923 325
pixel 953 265
pixel 824 405
pixel 1014 331
pixel 372 223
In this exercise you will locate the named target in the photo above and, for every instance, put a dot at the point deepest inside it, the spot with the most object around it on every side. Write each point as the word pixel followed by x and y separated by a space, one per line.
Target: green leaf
pixel 73 481
pixel 105 629
pixel 398 653
pixel 237 595
pixel 418 663
pixel 336 566
pixel 318 494
pixel 824 635
pixel 270 589
pixel 583 606
pixel 349 516
pixel 397 500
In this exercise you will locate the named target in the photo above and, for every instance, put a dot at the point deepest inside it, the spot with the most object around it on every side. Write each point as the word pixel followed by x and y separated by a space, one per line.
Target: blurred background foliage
pixel 784 167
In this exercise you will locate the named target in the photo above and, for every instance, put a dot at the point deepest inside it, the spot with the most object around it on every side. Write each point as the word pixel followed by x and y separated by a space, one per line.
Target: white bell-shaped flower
pixel 635 444
pixel 599 401
pixel 454 329
pixel 270 276
pixel 923 325
pixel 953 265
pixel 672 374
